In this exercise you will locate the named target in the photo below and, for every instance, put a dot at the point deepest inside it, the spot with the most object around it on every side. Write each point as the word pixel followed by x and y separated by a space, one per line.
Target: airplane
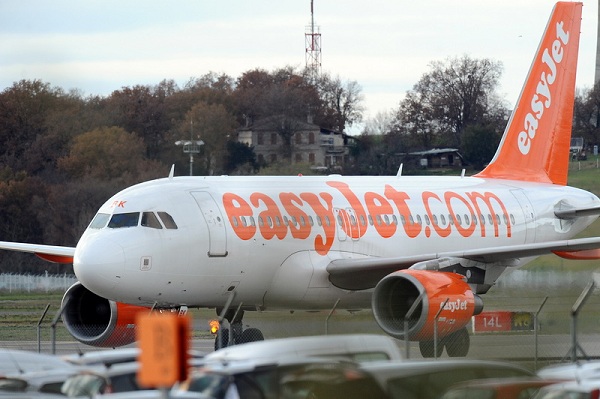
pixel 409 248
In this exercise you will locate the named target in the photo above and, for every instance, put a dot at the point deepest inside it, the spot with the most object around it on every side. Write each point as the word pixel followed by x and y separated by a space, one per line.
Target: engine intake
pixel 396 293
pixel 96 321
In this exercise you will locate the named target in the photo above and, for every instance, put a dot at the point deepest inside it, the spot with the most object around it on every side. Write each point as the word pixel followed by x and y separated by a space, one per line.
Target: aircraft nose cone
pixel 98 264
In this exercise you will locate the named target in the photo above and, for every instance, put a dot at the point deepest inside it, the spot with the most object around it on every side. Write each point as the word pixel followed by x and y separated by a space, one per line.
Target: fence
pixel 36 282
pixel 550 296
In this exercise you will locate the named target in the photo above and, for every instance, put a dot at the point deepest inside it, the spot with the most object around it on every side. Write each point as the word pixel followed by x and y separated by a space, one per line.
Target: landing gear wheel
pixel 427 349
pixel 457 344
pixel 251 335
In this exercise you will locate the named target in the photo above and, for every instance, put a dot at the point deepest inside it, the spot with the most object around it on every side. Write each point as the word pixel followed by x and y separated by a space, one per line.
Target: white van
pixel 354 347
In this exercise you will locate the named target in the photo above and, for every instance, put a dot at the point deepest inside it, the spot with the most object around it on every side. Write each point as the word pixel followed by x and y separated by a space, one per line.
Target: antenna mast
pixel 313 46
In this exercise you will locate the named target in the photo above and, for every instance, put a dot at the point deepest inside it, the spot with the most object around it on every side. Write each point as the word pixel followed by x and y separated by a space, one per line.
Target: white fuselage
pixel 270 239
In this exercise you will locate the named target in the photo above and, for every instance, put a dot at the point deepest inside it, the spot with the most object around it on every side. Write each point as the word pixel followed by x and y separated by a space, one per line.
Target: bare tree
pixel 454 94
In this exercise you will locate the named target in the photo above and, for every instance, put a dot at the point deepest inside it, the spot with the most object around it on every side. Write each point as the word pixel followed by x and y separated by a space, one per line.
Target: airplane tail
pixel 535 145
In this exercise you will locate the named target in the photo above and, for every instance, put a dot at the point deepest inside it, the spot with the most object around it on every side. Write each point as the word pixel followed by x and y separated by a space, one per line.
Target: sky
pixel 385 46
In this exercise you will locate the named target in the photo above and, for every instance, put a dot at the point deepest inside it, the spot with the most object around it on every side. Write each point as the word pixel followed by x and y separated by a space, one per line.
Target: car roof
pixel 578 370
pixel 104 356
pixel 14 361
pixel 237 366
pixel 341 345
pixel 414 367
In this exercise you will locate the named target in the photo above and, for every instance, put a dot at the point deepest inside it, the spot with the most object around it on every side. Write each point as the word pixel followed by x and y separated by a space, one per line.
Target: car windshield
pixel 331 381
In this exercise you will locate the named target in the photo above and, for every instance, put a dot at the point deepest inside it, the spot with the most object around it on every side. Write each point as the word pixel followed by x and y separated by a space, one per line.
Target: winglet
pixel 535 145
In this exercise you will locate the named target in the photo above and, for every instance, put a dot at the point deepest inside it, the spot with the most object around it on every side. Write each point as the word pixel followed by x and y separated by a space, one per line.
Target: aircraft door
pixel 528 214
pixel 217 235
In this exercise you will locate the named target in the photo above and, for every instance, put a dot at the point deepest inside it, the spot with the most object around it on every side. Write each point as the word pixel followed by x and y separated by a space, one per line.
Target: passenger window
pixel 149 219
pixel 119 220
pixel 99 221
pixel 167 220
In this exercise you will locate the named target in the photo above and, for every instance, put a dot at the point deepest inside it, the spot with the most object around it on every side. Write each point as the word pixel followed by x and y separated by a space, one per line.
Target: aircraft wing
pixel 364 273
pixel 50 253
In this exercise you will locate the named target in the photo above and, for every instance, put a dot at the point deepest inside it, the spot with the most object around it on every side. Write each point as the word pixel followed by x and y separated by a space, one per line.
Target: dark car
pixel 497 388
pixel 282 379
pixel 430 379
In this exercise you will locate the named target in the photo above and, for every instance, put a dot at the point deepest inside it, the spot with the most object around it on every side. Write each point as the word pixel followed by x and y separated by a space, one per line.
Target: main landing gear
pixel 456 344
pixel 236 334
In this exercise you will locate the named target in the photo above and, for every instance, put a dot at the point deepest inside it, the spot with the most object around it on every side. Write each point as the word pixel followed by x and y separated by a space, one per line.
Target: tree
pixel 284 95
pixel 379 124
pixel 142 110
pixel 24 111
pixel 586 119
pixel 240 159
pixel 108 153
pixel 453 95
pixel 342 102
pixel 480 144
pixel 212 124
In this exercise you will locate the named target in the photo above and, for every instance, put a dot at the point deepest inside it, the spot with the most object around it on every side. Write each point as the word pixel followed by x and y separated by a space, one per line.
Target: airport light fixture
pixel 190 147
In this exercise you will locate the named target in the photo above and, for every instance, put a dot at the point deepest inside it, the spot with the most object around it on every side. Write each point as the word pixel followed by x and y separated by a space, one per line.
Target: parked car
pixel 354 347
pixel 108 357
pixel 418 379
pixel 120 377
pixel 18 388
pixel 18 361
pixel 285 378
pixel 572 371
pixel 104 357
pixel 497 388
pixel 589 389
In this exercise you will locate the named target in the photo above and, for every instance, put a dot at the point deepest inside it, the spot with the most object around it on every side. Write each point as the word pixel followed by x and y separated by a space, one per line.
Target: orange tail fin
pixel 535 144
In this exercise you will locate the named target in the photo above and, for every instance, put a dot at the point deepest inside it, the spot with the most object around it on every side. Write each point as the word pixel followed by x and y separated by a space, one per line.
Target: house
pixel 438 158
pixel 323 149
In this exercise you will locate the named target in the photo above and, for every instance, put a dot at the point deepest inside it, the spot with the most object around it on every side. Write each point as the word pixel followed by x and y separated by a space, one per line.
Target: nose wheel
pixel 236 334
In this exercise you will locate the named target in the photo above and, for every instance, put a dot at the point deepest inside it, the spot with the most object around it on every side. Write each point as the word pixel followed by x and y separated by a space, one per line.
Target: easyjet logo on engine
pixel 388 212
pixel 542 98
pixel 454 306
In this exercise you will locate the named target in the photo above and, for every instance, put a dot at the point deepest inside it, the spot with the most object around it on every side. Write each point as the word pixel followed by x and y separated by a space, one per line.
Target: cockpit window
pixel 167 220
pixel 149 219
pixel 119 220
pixel 99 221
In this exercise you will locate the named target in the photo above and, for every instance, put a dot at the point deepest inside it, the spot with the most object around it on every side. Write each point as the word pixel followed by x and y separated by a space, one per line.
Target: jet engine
pixel 396 293
pixel 96 321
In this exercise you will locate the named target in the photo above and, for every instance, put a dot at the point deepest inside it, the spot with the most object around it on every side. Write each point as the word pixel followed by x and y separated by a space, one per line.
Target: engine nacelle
pixel 96 321
pixel 395 294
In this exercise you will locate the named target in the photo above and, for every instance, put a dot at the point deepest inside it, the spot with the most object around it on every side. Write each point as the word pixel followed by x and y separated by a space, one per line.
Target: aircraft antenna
pixel 312 39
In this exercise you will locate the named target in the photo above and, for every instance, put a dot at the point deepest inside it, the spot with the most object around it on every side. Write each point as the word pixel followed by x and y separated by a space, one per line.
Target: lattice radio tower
pixel 312 39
